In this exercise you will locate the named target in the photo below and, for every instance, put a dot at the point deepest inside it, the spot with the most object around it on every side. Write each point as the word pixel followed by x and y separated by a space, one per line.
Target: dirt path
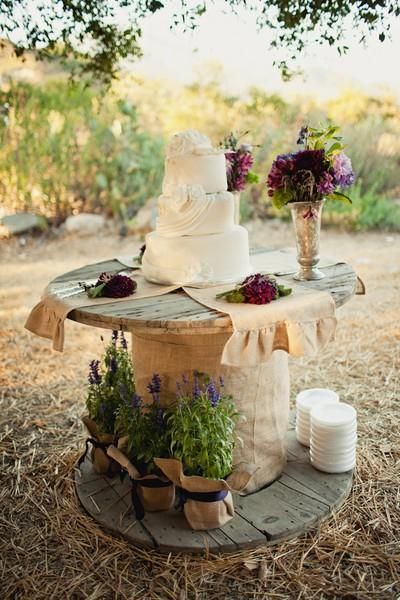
pixel 50 549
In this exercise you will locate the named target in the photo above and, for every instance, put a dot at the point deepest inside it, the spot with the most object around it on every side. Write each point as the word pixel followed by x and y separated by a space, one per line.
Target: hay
pixel 51 549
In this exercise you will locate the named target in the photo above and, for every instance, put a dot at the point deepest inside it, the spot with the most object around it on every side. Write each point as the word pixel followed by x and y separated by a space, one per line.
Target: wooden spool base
pixel 298 501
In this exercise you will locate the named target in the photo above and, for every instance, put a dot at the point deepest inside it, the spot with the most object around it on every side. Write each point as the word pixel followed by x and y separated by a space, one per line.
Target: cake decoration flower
pixel 256 289
pixel 111 286
pixel 239 162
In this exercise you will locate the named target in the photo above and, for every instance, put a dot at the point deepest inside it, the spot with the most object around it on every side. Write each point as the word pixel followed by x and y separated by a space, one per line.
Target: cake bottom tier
pixel 197 259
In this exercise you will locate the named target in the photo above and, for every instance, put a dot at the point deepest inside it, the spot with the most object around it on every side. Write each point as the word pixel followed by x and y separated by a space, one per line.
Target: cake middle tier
pixel 187 210
pixel 199 259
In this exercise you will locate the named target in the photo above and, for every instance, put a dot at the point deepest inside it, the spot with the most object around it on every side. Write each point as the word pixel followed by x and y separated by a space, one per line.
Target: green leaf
pixel 252 177
pixel 283 291
pixel 101 181
pixel 334 147
pixel 281 198
pixel 95 291
pixel 340 196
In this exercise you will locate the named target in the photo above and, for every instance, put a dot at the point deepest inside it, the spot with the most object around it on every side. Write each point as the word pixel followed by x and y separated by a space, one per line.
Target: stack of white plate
pixel 305 401
pixel 333 437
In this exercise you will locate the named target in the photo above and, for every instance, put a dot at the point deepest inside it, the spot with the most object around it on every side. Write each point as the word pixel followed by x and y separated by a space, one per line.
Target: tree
pixel 98 33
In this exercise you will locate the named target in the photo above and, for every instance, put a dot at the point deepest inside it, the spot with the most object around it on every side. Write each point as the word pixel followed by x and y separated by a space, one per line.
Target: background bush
pixel 66 149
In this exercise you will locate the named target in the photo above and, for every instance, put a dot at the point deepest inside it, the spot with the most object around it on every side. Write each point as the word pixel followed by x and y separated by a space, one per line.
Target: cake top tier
pixel 189 142
pixel 192 160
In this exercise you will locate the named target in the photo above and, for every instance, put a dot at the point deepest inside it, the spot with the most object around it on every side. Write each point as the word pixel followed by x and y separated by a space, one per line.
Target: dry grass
pixel 51 549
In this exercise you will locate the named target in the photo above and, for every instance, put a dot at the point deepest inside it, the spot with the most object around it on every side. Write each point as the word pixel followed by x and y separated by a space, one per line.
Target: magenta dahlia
pixel 260 289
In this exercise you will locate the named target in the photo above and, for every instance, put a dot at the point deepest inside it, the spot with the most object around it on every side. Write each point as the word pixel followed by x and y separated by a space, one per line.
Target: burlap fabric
pixel 150 493
pixel 207 503
pixel 102 463
pixel 261 393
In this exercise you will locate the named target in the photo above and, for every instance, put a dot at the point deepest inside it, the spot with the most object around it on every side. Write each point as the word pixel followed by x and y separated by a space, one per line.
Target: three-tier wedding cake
pixel 196 240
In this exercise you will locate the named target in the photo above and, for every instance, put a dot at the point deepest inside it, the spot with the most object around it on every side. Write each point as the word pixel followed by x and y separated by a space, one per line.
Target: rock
pixel 84 223
pixel 22 222
pixel 145 218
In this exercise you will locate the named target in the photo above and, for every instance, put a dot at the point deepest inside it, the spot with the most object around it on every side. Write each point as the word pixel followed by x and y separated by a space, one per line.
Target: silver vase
pixel 306 218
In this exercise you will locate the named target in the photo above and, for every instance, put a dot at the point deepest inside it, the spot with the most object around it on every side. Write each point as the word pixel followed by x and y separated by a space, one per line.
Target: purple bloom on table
pixel 311 160
pixel 212 393
pixel 94 374
pixel 154 387
pixel 326 184
pixel 260 289
pixel 119 286
pixel 343 170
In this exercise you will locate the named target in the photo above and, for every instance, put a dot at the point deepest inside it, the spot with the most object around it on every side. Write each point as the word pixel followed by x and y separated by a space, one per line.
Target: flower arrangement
pixel 111 286
pixel 201 425
pixel 110 381
pixel 318 171
pixel 256 289
pixel 145 426
pixel 239 161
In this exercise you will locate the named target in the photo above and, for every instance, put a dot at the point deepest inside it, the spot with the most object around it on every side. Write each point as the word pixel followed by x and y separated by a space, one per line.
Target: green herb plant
pixel 201 426
pixel 110 382
pixel 146 428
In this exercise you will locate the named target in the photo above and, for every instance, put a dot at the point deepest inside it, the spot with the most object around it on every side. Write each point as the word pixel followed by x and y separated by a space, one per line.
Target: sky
pixel 232 44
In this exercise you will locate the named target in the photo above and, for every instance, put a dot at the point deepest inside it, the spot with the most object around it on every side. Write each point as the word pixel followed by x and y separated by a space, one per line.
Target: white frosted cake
pixel 196 240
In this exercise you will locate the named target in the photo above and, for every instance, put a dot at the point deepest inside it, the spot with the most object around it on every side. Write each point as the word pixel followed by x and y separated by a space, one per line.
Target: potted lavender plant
pixel 303 180
pixel 110 381
pixel 144 425
pixel 201 426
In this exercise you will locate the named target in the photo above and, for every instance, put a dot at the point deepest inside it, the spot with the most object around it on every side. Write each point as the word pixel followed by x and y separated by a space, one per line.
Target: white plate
pixel 333 415
pixel 307 399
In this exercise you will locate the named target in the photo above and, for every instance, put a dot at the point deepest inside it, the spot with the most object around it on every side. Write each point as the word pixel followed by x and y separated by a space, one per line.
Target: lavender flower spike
pixel 154 387
pixel 212 393
pixel 94 375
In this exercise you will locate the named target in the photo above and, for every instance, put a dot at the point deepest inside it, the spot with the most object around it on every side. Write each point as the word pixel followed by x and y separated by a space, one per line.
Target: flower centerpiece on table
pixel 303 180
pixel 201 425
pixel 110 380
pixel 111 285
pixel 239 162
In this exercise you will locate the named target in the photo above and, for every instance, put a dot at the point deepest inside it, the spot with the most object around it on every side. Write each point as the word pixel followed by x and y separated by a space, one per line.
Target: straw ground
pixel 50 549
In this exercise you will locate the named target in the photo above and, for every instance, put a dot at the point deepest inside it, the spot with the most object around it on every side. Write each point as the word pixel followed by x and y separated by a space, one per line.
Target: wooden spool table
pixel 300 499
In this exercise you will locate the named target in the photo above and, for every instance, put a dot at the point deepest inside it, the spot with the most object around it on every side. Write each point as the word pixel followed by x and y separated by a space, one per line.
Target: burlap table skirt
pixel 260 393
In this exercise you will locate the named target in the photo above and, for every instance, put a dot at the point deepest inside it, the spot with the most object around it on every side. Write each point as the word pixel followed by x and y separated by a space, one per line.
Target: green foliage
pixel 202 429
pixel 369 210
pixel 146 428
pixel 63 151
pixel 97 34
pixel 110 382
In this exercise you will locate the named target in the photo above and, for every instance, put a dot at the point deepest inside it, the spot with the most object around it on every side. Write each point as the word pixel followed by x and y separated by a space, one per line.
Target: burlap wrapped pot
pixel 207 503
pixel 102 464
pixel 151 492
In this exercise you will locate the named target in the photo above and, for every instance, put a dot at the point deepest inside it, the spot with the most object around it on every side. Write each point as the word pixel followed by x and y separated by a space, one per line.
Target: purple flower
pixel 114 337
pixel 212 393
pixel 159 417
pixel 94 375
pixel 326 184
pixel 311 160
pixel 303 134
pixel 343 170
pixel 119 286
pixel 124 343
pixel 196 392
pixel 260 289
pixel 154 387
pixel 136 401
pixel 113 365
pixel 238 165
pixel 281 169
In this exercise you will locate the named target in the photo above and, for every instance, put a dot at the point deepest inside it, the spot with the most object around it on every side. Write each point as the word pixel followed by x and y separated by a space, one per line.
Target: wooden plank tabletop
pixel 177 310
